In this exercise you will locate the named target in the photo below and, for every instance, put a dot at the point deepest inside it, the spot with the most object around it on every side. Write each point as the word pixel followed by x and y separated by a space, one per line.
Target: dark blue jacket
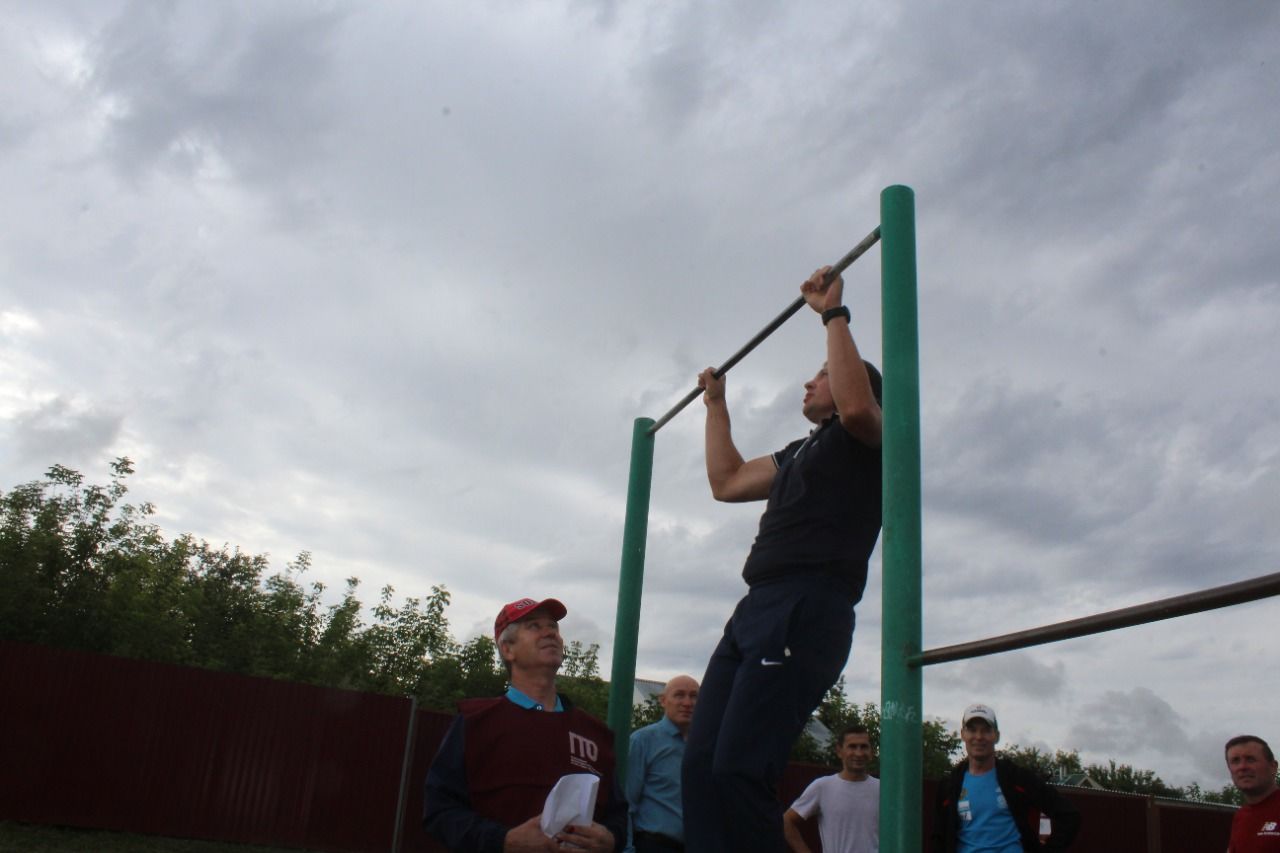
pixel 1027 795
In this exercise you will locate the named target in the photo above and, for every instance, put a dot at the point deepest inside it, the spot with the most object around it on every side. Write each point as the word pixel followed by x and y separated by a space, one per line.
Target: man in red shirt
pixel 1256 826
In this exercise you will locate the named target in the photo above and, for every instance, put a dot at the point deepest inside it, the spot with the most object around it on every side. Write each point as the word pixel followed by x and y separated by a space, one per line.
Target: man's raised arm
pixel 860 414
pixel 732 478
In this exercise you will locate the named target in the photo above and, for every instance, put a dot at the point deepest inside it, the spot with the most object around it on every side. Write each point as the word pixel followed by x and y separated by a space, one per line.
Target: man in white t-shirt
pixel 847 804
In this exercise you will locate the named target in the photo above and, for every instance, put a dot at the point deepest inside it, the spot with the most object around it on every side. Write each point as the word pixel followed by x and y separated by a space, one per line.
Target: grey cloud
pixel 1026 459
pixel 1206 747
pixel 1019 673
pixel 603 12
pixel 15 131
pixel 676 71
pixel 1078 125
pixel 690 57
pixel 195 80
pixel 60 431
pixel 1068 473
pixel 1124 721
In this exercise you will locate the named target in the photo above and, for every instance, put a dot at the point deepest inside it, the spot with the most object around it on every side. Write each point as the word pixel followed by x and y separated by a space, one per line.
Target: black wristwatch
pixel 831 313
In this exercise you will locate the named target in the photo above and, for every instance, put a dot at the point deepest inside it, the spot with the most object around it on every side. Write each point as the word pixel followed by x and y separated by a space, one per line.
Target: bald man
pixel 653 771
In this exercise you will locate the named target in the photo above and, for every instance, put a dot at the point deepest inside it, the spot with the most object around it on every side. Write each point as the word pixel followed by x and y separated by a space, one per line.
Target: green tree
pixel 83 569
pixel 1229 795
pixel 1123 777
pixel 580 679
pixel 223 608
pixel 292 622
pixel 402 642
pixel 942 746
pixel 1056 766
pixel 837 712
pixel 646 712
pixel 52 535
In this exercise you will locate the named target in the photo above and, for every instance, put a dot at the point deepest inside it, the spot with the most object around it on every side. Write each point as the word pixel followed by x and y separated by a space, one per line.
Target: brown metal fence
pixel 95 741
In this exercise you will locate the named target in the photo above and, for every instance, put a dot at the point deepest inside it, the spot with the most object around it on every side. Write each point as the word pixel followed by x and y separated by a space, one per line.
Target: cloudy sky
pixel 390 282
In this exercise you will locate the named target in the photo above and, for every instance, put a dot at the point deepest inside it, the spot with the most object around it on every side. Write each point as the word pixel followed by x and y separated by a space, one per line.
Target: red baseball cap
pixel 517 610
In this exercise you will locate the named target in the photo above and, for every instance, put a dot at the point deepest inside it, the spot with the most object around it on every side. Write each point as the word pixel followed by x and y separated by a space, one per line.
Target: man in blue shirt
pixel 653 771
pixel 991 805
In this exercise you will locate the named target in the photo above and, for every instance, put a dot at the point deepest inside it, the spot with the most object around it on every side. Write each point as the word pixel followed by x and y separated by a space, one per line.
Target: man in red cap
pixel 503 755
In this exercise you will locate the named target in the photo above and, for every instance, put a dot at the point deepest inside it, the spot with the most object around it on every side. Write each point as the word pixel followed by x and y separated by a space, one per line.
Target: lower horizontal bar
pixel 1141 614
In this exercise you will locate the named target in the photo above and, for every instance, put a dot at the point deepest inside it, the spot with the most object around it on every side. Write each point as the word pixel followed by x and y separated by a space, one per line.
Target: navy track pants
pixel 784 647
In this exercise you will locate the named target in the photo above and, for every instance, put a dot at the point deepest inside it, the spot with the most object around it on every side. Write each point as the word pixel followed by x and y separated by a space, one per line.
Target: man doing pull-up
pixel 789 637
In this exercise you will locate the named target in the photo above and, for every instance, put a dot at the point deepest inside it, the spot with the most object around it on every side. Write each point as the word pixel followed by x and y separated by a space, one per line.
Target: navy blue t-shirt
pixel 824 511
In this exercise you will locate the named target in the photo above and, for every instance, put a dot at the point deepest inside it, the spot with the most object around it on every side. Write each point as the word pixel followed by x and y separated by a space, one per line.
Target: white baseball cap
pixel 979 712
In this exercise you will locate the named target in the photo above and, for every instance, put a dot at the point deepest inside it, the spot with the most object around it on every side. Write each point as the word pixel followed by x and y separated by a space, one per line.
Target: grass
pixel 30 838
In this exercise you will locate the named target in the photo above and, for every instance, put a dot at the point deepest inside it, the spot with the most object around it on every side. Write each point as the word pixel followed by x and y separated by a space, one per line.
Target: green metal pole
pixel 901 723
pixel 626 630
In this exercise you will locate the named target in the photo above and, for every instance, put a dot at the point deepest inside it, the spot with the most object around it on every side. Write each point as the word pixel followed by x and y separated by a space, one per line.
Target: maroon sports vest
pixel 514 756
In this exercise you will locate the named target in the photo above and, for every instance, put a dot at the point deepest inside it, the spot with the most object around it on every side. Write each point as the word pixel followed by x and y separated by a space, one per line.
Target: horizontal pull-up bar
pixel 1141 614
pixel 836 268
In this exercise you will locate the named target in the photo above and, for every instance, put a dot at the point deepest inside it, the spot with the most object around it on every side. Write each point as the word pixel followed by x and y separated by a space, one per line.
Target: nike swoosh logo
pixel 767 662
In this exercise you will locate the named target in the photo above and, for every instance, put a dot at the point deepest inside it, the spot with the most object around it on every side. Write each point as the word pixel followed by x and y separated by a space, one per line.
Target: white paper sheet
pixel 571 802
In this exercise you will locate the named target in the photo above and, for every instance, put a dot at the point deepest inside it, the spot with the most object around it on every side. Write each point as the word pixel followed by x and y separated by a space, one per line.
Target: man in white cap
pixel 503 755
pixel 991 804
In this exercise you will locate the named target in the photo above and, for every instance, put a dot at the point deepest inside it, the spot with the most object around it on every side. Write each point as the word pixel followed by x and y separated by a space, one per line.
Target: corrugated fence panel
pixel 97 741
pixel 430 730
pixel 1193 828
pixel 1109 822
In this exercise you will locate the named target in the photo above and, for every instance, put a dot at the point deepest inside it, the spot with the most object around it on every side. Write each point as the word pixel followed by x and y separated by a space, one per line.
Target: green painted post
pixel 901 724
pixel 626 629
